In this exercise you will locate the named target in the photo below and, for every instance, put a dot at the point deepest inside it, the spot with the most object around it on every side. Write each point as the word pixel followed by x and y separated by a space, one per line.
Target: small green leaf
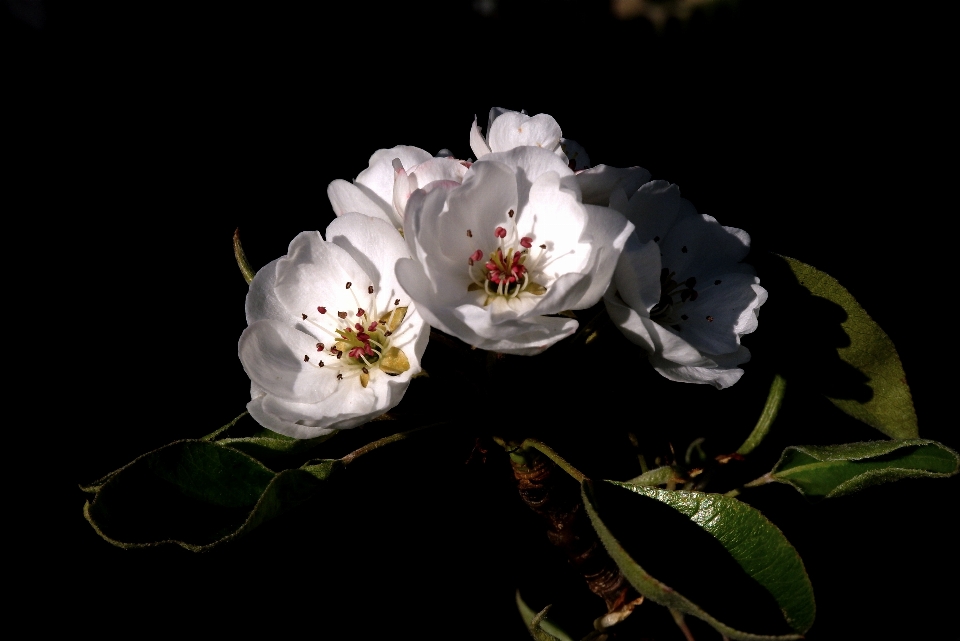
pixel 657 476
pixel 540 627
pixel 836 470
pixel 195 494
pixel 870 351
pixel 751 584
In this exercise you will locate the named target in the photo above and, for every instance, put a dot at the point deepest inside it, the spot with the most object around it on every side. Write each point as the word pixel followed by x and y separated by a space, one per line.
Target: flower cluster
pixel 497 252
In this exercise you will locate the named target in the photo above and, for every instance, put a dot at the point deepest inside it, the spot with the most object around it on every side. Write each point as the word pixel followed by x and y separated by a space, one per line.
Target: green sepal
pixel 539 626
pixel 751 584
pixel 196 494
pixel 836 470
pixel 885 403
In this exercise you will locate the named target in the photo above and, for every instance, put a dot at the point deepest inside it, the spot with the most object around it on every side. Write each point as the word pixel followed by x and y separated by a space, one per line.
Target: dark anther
pixel 656 239
pixel 469 234
pixel 349 283
pixel 396 302
pixel 716 282
pixel 684 317
pixel 306 359
pixel 321 364
pixel 339 377
pixel 690 282
pixel 342 314
pixel 543 246
pixel 365 371
pixel 339 355
pixel 694 294
pixel 304 316
pixel 684 249
pixel 510 213
pixel 709 319
pixel 370 289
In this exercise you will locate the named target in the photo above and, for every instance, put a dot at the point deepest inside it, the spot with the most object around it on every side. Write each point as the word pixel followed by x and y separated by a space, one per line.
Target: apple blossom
pixel 680 290
pixel 508 129
pixel 332 339
pixel 495 258
pixel 382 189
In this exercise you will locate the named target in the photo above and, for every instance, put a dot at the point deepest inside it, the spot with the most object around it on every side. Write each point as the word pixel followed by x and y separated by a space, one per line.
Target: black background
pixel 143 137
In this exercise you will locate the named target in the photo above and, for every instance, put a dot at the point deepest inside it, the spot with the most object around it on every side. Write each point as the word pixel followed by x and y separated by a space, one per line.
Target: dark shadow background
pixel 142 137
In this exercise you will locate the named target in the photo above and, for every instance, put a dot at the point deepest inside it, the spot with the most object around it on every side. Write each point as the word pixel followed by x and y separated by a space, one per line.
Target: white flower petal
pixel 262 301
pixel 513 129
pixel 272 355
pixel 637 276
pixel 376 247
pixel 478 145
pixel 597 184
pixel 286 419
pixel 315 273
pixel 722 313
pixel 378 176
pixel 345 197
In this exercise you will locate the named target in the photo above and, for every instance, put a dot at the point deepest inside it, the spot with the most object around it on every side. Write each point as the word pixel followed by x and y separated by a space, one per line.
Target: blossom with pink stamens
pixel 548 252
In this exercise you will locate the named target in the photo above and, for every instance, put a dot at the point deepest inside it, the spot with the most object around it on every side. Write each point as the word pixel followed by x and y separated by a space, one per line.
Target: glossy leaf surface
pixel 713 541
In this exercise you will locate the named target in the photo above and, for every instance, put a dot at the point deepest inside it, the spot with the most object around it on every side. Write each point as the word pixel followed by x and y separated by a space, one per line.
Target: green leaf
pixel 889 408
pixel 654 477
pixel 262 444
pixel 707 555
pixel 836 470
pixel 195 494
pixel 540 627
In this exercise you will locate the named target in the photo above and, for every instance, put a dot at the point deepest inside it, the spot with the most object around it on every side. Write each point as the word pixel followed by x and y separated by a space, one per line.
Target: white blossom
pixel 680 290
pixel 496 258
pixel 382 189
pixel 508 129
pixel 332 339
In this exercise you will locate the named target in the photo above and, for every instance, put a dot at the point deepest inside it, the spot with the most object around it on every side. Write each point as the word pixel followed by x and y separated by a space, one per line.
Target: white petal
pixel 654 209
pixel 699 246
pixel 477 143
pixel 315 273
pixel 345 197
pixel 285 422
pixel 637 276
pixel 607 232
pixel 722 313
pixel 378 177
pixel 272 355
pixel 376 247
pixel 719 377
pixel 597 184
pixel 262 301
pixel 513 129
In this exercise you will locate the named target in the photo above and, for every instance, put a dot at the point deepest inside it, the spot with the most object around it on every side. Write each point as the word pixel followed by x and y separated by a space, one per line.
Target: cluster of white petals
pixel 332 339
pixel 383 188
pixel 680 290
pixel 493 252
pixel 494 259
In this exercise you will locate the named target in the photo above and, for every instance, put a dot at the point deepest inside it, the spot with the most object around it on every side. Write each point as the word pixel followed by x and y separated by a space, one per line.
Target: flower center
pixel 672 297
pixel 361 340
pixel 509 270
